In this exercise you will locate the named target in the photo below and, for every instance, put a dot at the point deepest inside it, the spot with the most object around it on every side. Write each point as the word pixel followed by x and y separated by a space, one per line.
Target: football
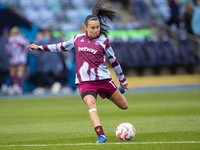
pixel 125 132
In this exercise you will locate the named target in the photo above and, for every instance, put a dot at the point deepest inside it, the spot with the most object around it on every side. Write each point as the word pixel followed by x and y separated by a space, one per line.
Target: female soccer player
pixel 92 76
pixel 17 57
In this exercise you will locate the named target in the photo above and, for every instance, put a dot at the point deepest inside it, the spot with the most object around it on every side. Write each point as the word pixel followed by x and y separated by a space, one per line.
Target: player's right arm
pixel 33 47
pixel 63 46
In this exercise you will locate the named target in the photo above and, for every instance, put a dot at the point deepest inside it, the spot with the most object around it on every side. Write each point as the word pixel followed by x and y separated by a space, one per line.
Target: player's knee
pixel 124 106
pixel 91 105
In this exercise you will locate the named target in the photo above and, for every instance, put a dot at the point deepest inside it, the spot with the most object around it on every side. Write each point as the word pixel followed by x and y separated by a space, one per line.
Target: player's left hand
pixel 125 86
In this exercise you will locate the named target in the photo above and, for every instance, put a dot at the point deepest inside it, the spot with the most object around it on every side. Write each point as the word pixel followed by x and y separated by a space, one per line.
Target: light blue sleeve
pixel 196 21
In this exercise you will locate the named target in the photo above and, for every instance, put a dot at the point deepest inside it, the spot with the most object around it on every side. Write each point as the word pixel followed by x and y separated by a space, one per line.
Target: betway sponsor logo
pixel 86 49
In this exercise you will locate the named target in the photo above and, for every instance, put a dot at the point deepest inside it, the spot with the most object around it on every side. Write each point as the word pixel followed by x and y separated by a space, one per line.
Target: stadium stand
pixel 151 51
pixel 135 49
pixel 169 57
pixel 139 43
pixel 185 53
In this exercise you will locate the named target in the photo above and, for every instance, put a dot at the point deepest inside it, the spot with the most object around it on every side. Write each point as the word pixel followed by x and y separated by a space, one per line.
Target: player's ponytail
pixel 102 13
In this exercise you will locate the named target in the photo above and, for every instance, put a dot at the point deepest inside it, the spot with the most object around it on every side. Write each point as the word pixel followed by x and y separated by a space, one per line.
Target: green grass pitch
pixel 163 121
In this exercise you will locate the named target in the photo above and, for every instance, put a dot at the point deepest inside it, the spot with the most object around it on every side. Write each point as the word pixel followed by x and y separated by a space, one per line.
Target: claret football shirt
pixel 90 57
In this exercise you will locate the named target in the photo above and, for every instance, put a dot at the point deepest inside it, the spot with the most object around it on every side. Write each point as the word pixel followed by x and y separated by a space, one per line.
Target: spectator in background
pixel 196 19
pixel 69 86
pixel 17 58
pixel 82 29
pixel 175 12
pixel 50 67
pixel 188 17
pixel 40 37
pixel 140 8
pixel 31 72
pixel 4 62
pixel 69 71
pixel 124 3
pixel 195 2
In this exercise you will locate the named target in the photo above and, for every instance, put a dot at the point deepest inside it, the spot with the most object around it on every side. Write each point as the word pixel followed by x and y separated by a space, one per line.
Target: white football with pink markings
pixel 125 132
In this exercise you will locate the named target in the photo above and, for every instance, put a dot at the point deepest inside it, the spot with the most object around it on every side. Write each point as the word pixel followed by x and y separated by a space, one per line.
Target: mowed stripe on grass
pixel 165 118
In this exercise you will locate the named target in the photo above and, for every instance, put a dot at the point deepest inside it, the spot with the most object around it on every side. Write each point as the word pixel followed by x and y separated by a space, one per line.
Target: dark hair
pixel 102 13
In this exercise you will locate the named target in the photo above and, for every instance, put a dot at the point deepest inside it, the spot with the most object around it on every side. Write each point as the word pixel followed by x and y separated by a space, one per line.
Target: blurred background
pixel 157 43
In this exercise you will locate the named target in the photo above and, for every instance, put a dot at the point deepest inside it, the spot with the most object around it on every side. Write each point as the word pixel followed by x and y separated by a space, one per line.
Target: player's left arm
pixel 115 64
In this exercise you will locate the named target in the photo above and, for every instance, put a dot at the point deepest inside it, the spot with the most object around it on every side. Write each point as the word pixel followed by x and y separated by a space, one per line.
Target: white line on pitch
pixel 117 143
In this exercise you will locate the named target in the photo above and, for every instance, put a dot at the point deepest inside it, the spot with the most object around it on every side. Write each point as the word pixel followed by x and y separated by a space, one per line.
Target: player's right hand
pixel 32 47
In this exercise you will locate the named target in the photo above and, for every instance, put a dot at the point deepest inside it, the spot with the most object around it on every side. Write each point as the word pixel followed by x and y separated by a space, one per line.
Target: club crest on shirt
pixel 96 43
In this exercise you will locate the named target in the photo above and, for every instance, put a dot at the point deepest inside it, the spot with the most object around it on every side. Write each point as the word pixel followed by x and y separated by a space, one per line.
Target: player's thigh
pixel 90 101
pixel 119 100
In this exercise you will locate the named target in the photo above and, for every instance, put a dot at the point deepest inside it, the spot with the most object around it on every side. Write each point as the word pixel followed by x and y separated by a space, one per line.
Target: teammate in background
pixel 92 76
pixel 17 58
